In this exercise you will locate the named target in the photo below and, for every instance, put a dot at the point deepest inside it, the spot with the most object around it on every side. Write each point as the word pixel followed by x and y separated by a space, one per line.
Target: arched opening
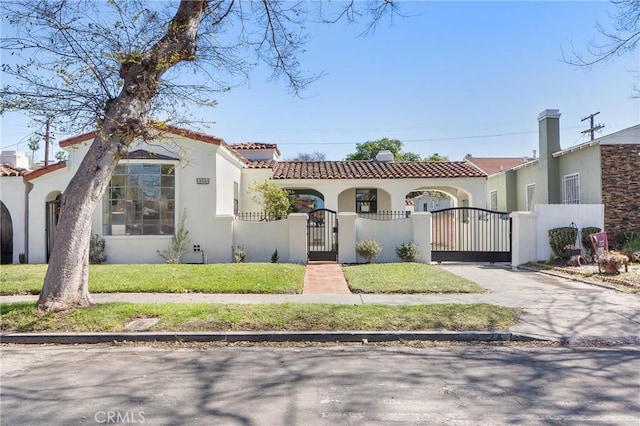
pixel 6 235
pixel 305 200
pixel 52 208
pixel 429 200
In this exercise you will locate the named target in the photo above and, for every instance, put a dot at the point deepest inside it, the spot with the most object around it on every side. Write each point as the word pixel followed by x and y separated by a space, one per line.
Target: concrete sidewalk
pixel 553 308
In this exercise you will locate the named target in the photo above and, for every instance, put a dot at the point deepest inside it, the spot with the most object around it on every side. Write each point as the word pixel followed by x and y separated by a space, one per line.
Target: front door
pixel 322 235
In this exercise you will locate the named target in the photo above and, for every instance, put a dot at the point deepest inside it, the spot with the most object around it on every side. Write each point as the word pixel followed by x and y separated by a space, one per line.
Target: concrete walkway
pixel 552 307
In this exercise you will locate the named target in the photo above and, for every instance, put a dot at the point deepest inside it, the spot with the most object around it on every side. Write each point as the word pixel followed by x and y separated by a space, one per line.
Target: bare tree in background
pixel 309 156
pixel 114 66
pixel 622 39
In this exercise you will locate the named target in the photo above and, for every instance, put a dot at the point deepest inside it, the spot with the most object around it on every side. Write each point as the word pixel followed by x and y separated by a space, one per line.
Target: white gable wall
pixel 12 194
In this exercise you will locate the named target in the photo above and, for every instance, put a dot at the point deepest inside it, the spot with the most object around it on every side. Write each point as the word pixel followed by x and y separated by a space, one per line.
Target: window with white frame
pixel 493 200
pixel 140 200
pixel 571 189
pixel 531 188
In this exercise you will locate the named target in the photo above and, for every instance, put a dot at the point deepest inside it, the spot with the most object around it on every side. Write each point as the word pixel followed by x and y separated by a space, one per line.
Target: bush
pixel 586 242
pixel 559 238
pixel 22 258
pixel 239 254
pixel 629 243
pixel 96 250
pixel 408 252
pixel 179 242
pixel 275 256
pixel 369 249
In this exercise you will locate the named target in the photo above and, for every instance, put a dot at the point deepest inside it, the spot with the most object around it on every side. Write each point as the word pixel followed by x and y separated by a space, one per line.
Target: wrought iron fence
pixel 258 217
pixel 386 215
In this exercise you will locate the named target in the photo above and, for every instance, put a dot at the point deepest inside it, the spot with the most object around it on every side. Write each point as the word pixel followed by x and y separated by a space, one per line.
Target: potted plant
pixel 611 261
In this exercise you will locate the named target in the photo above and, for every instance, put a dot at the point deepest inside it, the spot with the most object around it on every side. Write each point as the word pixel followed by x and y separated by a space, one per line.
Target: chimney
pixel 384 157
pixel 548 180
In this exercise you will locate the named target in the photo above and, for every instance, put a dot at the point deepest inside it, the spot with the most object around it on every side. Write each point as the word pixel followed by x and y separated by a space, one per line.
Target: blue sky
pixel 451 77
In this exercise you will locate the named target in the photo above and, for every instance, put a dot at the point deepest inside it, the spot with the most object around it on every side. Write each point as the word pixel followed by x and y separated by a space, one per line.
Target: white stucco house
pixel 209 179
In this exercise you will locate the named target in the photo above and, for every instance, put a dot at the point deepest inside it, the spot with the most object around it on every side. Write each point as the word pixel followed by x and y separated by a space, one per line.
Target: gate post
pixel 298 237
pixel 347 237
pixel 523 237
pixel 422 235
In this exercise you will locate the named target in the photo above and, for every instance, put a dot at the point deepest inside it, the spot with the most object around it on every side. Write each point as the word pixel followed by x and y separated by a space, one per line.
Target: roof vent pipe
pixel 384 157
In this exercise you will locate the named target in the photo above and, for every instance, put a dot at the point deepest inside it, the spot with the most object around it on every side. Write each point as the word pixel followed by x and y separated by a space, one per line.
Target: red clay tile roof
pixel 174 130
pixel 7 170
pixel 494 165
pixel 370 170
pixel 44 170
pixel 254 145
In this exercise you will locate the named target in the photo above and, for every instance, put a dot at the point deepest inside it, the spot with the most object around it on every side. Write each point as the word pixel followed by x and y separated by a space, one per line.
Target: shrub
pixel 179 242
pixel 586 242
pixel 559 238
pixel 239 254
pixel 629 243
pixel 408 252
pixel 22 258
pixel 275 256
pixel 96 250
pixel 369 249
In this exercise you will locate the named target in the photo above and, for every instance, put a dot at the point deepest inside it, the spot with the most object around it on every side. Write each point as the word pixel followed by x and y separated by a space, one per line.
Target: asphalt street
pixel 373 385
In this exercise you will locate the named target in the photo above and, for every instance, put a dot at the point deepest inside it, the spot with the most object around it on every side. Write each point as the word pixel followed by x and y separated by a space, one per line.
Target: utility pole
pixel 593 127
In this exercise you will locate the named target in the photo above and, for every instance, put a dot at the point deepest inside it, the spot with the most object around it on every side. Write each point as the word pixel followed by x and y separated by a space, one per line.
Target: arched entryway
pixel 6 235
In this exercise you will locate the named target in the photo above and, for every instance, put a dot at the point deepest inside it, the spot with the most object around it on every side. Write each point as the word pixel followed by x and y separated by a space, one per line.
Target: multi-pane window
pixel 366 200
pixel 571 189
pixel 529 196
pixel 140 200
pixel 493 200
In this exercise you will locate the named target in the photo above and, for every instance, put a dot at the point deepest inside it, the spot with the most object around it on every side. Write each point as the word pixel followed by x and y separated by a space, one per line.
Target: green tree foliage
pixel 275 202
pixel 61 156
pixel 368 150
pixel 436 157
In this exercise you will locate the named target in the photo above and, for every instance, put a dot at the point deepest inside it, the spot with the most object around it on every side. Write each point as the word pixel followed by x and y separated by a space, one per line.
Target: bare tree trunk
pixel 66 282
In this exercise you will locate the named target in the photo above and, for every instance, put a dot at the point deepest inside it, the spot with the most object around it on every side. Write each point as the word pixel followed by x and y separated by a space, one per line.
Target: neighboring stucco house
pixel 604 171
pixel 209 179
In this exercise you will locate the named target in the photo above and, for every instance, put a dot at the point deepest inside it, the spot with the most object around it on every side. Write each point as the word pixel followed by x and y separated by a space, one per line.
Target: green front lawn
pixel 112 317
pixel 406 278
pixel 277 278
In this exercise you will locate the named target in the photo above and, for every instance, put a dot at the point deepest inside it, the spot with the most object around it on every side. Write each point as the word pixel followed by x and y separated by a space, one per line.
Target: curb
pixel 283 336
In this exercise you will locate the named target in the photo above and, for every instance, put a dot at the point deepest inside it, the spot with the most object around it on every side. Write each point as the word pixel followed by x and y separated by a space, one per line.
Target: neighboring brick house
pixel 602 171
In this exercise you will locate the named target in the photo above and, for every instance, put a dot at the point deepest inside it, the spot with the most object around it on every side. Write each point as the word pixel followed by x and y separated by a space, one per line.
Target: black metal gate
pixel 53 210
pixel 322 235
pixel 470 234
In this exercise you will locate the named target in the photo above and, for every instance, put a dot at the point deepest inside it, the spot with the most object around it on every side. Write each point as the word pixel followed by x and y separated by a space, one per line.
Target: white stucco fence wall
pixel 260 239
pixel 556 215
pixel 389 234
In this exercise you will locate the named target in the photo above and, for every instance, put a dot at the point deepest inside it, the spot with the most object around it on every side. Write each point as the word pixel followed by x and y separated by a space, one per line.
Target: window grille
pixel 571 189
